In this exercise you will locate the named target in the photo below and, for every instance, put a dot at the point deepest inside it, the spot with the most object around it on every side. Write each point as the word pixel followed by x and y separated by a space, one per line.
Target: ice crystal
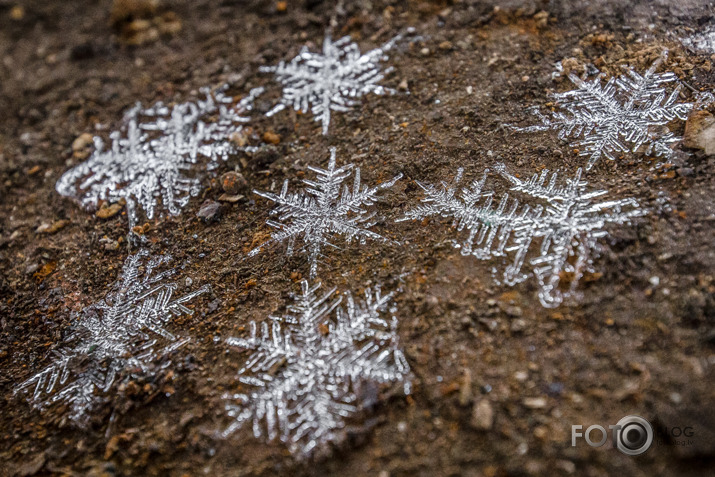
pixel 332 80
pixel 702 42
pixel 317 365
pixel 322 210
pixel 628 113
pixel 124 330
pixel 567 223
pixel 154 154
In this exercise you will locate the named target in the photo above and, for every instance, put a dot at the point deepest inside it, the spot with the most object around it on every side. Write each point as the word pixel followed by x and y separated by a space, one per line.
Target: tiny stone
pixel 239 138
pixel 83 140
pixel 465 389
pixel 46 228
pixel 230 198
pixel 106 211
pixel 209 210
pixel 445 45
pixel 482 415
pixel 541 432
pixel 535 402
pixel 700 132
pixel 271 137
pixel 518 325
pixel 566 465
pixel 233 182
pixel 522 448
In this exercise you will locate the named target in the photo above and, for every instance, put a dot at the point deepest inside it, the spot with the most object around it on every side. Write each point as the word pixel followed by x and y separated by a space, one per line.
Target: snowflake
pixel 702 42
pixel 153 154
pixel 568 224
pixel 316 366
pixel 331 81
pixel 112 335
pixel 628 113
pixel 322 210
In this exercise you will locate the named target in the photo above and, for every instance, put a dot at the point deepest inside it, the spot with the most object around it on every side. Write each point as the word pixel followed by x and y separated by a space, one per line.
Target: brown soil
pixel 629 346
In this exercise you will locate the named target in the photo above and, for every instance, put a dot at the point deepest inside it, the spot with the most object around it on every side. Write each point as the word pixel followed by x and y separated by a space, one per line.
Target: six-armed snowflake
pixel 312 368
pixel 119 332
pixel 322 210
pixel 154 154
pixel 629 113
pixel 568 224
pixel 331 81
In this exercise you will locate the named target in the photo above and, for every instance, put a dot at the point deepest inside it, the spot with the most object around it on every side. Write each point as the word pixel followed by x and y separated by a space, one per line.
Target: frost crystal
pixel 313 368
pixel 331 81
pixel 322 210
pixel 627 113
pixel 153 154
pixel 702 42
pixel 568 223
pixel 119 332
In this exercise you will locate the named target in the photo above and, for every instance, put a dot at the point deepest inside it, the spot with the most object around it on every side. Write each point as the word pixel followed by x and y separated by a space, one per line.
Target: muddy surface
pixel 639 340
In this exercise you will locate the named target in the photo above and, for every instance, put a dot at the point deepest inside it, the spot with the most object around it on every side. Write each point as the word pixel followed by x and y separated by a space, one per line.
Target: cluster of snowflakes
pixel 311 369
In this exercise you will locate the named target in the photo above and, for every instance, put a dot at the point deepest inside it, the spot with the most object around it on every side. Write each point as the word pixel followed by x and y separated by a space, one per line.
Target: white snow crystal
pixel 628 113
pixel 154 154
pixel 315 366
pixel 702 42
pixel 119 332
pixel 567 223
pixel 323 210
pixel 332 80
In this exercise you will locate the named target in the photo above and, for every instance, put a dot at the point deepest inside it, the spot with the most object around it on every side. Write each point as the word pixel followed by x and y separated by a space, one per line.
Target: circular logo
pixel 634 435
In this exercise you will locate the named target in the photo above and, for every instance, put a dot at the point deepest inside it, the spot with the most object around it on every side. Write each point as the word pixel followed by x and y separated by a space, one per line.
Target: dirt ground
pixel 641 340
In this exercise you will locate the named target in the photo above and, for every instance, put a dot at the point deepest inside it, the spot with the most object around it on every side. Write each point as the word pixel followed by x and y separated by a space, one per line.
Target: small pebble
pixel 233 182
pixel 271 137
pixel 46 228
pixel 107 211
pixel 209 210
pixel 482 416
pixel 535 402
